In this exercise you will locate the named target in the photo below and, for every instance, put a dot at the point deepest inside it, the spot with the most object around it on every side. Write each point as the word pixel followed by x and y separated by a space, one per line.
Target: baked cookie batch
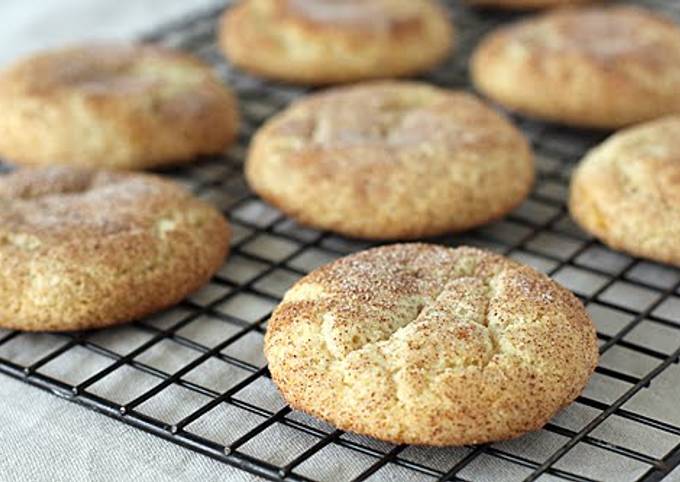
pixel 606 67
pixel 409 343
pixel 626 192
pixel 330 41
pixel 424 344
pixel 391 160
pixel 113 106
pixel 82 248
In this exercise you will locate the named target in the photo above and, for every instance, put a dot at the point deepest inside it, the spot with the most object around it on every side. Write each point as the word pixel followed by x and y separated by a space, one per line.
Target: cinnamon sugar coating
pixel 626 191
pixel 391 160
pixel 334 41
pixel 603 67
pixel 118 106
pixel 423 344
pixel 83 249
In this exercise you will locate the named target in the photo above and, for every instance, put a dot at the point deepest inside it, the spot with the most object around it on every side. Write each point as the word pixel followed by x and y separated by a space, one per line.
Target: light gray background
pixel 30 25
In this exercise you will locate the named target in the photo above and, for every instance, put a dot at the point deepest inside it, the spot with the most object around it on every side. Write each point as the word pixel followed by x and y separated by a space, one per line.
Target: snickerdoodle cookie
pixel 84 249
pixel 424 344
pixel 391 160
pixel 527 4
pixel 594 67
pixel 116 106
pixel 332 41
pixel 626 191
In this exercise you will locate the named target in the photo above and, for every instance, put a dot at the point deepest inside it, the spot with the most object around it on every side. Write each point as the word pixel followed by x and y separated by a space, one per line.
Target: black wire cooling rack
pixel 195 375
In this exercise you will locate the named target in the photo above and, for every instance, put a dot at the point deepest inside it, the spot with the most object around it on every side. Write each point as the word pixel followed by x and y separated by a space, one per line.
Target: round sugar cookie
pixel 626 191
pixel 391 160
pixel 117 106
pixel 83 249
pixel 334 41
pixel 423 344
pixel 593 67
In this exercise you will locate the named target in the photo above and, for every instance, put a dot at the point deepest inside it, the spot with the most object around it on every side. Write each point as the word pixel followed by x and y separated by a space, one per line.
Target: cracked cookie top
pixel 627 190
pixel 82 248
pixel 390 114
pixel 417 343
pixel 391 160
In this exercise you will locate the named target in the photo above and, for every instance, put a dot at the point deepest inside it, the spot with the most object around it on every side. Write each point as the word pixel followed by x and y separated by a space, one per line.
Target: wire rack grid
pixel 195 375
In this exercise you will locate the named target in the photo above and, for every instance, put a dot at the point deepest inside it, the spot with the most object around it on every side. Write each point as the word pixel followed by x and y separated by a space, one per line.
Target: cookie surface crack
pixel 327 335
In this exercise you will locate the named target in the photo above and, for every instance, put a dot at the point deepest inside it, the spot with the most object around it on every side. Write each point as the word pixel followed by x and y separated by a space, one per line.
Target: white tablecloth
pixel 44 438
